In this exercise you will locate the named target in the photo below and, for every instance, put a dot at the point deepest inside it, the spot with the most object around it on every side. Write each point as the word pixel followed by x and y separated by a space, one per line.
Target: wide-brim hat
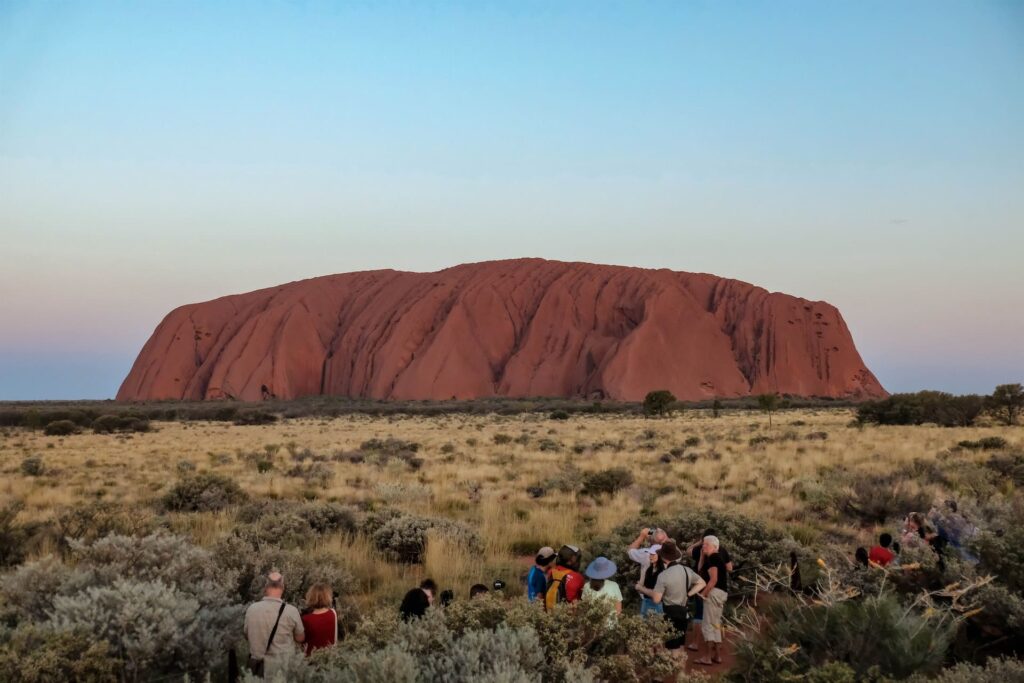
pixel 670 552
pixel 601 568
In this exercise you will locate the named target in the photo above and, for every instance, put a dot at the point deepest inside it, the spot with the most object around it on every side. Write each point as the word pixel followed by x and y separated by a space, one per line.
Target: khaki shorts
pixel 714 605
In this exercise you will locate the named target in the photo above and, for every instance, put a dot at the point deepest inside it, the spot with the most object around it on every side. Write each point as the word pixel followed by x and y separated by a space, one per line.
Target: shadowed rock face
pixel 525 327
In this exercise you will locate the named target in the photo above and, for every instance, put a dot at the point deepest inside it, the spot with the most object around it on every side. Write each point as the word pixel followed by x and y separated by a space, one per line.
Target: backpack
pixel 556 587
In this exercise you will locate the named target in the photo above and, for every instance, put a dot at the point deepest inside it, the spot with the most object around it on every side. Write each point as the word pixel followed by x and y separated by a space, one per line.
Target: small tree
pixel 1006 402
pixel 658 402
pixel 769 403
pixel 716 408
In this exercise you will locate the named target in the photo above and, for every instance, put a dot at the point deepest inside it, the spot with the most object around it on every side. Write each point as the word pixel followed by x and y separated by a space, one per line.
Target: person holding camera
pixel 675 585
pixel 647 558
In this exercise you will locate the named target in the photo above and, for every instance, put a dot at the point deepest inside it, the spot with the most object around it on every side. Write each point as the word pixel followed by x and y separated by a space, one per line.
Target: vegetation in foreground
pixel 154 537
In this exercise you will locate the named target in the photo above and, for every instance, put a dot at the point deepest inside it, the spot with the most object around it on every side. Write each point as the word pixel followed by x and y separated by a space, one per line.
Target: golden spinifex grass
pixel 486 471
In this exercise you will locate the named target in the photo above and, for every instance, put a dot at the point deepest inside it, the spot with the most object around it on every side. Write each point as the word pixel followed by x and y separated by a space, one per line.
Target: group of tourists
pixel 671 580
pixel 944 529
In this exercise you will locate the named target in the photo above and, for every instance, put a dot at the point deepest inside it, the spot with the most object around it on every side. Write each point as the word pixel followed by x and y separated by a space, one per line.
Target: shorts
pixel 714 606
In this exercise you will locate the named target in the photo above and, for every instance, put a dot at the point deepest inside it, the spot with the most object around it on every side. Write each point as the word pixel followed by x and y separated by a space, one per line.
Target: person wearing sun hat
pixel 601 587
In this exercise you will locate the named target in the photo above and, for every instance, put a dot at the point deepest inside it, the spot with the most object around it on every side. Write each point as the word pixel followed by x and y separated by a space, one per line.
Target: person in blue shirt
pixel 537 580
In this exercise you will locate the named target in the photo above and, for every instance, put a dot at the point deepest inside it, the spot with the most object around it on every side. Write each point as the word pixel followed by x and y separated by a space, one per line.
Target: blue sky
pixel 869 154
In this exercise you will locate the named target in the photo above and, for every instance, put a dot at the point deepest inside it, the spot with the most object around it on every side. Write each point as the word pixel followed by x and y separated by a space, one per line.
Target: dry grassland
pixel 466 474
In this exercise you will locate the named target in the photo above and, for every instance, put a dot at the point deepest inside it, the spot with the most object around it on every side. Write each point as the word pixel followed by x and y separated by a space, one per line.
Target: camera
pixel 652 530
pixel 499 584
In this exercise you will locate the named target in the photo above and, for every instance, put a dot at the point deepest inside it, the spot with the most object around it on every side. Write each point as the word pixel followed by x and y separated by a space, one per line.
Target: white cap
pixel 654 549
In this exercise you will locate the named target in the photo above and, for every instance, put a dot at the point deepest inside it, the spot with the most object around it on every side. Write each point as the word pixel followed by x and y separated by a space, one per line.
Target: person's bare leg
pixel 716 653
pixel 695 638
pixel 706 658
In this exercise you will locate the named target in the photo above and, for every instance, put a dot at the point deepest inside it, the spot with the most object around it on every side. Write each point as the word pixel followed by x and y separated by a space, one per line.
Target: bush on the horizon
pixel 61 428
pixel 923 407
pixel 658 402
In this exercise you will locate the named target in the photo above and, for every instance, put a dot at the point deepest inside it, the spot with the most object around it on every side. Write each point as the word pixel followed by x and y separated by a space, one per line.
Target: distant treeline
pixel 936 407
pixel 85 414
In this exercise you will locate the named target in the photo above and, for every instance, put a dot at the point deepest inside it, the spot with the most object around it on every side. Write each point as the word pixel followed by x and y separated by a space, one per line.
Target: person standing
pixel 320 621
pixel 714 594
pixel 566 583
pixel 696 553
pixel 537 579
pixel 673 588
pixel 601 587
pixel 649 578
pixel 272 627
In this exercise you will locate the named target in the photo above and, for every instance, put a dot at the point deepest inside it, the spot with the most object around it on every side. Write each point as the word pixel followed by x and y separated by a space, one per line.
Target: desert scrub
pixel 183 592
pixel 203 492
pixel 405 537
pixel 61 428
pixel 607 482
pixel 874 632
pixel 36 654
pixel 32 466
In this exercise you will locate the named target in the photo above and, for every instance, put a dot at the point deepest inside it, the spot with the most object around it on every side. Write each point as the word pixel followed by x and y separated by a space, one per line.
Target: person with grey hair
pixel 714 594
pixel 273 627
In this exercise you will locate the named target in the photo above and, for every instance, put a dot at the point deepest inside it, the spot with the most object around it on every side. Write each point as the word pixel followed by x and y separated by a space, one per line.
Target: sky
pixel 870 154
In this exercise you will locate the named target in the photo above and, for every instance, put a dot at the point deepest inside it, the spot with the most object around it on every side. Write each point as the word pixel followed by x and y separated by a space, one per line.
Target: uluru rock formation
pixel 525 327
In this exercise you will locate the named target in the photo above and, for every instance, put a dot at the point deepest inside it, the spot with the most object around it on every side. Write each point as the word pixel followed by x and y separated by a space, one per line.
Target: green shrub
pixel 658 402
pixel 923 407
pixel 203 492
pixel 163 605
pixel 108 424
pixel 61 428
pixel 559 415
pixel 578 644
pixel 405 536
pixel 609 481
pixel 502 439
pixel 875 498
pixel 1001 553
pixel 36 654
pixel 995 670
pixel 32 466
pixel 876 633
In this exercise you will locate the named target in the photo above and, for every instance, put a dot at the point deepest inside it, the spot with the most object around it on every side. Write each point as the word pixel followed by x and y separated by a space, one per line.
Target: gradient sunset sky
pixel 870 154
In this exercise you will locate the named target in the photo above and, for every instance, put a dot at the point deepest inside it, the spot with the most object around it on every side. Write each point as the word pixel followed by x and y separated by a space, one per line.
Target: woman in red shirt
pixel 319 620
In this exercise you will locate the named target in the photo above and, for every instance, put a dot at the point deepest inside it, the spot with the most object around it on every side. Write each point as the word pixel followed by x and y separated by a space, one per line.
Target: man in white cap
pixel 272 626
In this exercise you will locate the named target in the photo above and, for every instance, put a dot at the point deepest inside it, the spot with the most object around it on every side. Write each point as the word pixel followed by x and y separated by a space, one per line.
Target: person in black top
pixel 416 601
pixel 695 550
pixel 649 579
pixel 714 594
